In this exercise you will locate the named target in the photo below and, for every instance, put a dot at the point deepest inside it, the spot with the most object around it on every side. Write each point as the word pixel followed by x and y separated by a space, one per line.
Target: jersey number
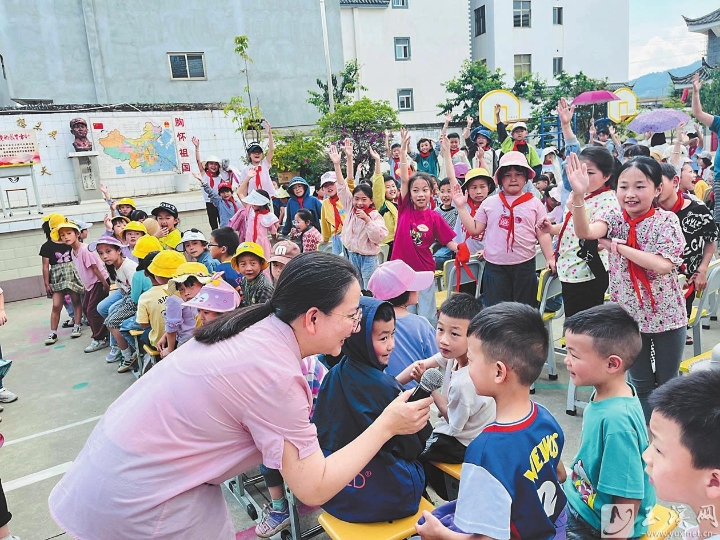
pixel 548 497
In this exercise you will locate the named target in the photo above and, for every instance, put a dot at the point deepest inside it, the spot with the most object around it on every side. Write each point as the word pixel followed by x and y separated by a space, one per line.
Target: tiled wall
pixel 57 186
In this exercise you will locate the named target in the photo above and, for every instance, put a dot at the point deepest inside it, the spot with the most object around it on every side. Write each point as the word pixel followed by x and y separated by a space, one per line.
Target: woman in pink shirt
pixel 160 477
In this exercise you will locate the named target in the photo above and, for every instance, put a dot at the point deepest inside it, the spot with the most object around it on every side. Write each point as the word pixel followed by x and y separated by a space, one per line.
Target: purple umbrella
pixel 594 97
pixel 658 120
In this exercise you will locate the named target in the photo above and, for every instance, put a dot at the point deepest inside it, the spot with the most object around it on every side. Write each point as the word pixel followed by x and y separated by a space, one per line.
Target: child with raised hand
pixel 418 227
pixel 713 122
pixel 517 141
pixel 364 227
pixel 456 153
pixel 506 489
pixel 260 164
pixel 333 213
pixel 602 344
pixel 463 413
pixel 683 459
pixel 426 157
pixel 249 261
pixel 168 218
pixel 130 235
pixel 581 267
pixel 646 247
pixel 180 321
pixel 304 232
pixel 260 220
pixel 212 176
pixel 352 395
pixel 60 278
pixel 223 199
pixel 385 192
pixel 195 247
pixel 509 221
pixel 124 206
pixel 699 230
pixel 478 186
pixel 94 277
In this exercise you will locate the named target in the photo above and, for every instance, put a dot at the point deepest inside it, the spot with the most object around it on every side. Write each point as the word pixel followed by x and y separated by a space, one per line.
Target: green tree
pixel 364 121
pixel 710 93
pixel 246 115
pixel 472 83
pixel 301 153
pixel 343 91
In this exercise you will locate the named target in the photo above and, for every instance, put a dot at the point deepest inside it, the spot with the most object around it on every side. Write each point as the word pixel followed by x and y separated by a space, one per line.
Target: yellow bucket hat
pixel 282 193
pixel 249 247
pixel 166 263
pixel 128 201
pixel 133 226
pixel 53 220
pixel 195 269
pixel 146 244
pixel 66 224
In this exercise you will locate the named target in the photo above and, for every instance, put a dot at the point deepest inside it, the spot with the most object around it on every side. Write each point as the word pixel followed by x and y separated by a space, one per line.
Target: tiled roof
pixel 703 71
pixel 364 3
pixel 616 86
pixel 710 18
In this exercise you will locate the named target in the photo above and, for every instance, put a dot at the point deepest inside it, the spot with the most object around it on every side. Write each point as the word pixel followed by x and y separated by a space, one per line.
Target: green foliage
pixel 674 103
pixel 364 121
pixel 248 117
pixel 342 92
pixel 472 83
pixel 301 153
pixel 710 93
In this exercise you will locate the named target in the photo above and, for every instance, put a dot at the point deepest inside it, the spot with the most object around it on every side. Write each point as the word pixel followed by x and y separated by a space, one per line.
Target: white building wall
pixel 438 33
pixel 594 38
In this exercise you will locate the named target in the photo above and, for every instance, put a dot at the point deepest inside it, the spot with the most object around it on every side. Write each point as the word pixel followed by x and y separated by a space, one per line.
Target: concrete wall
pixel 438 33
pixel 598 48
pixel 86 51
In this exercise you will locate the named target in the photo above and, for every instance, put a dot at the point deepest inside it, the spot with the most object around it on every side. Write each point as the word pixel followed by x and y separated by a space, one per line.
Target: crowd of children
pixel 608 219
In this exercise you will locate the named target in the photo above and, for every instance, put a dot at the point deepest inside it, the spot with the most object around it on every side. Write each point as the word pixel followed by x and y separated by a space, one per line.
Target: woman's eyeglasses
pixel 356 318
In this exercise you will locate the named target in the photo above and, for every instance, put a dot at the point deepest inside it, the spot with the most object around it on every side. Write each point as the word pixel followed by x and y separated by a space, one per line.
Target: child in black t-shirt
pixel 60 277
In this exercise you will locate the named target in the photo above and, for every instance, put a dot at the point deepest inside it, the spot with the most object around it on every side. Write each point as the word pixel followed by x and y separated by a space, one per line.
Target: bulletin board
pixel 18 147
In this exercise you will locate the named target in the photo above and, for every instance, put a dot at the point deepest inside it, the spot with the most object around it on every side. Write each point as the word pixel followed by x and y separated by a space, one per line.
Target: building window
pixel 557 65
pixel 480 28
pixel 184 66
pixel 523 65
pixel 557 15
pixel 400 4
pixel 405 99
pixel 402 48
pixel 521 14
pixel 2 67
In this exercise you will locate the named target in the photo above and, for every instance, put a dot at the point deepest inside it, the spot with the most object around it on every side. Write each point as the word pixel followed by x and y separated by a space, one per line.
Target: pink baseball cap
pixel 216 295
pixel 393 278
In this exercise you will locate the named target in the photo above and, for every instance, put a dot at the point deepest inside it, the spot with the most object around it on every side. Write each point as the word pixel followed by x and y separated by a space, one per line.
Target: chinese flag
pixel 97 125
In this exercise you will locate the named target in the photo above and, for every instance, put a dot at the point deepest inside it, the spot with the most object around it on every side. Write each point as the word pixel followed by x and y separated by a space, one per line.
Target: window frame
pixel 515 65
pixel 395 49
pixel 557 72
pixel 520 11
pixel 480 29
pixel 558 16
pixel 411 96
pixel 403 4
pixel 187 66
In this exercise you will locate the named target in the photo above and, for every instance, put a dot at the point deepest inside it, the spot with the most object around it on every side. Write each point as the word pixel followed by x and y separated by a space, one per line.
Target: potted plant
pixel 298 154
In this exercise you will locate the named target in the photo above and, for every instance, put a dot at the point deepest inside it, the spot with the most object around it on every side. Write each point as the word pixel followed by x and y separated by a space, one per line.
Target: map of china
pixel 153 151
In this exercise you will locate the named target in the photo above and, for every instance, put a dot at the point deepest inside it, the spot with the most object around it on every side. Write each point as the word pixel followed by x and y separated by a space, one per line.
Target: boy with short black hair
pixel 195 247
pixel 683 460
pixel 463 413
pixel 249 260
pixel 223 245
pixel 602 344
pixel 168 218
pixel 510 480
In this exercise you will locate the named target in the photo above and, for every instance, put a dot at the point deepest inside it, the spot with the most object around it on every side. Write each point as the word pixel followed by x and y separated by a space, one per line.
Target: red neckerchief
pixel 258 213
pixel 637 273
pixel 473 208
pixel 692 150
pixel 258 180
pixel 486 147
pixel 338 219
pixel 231 201
pixel 678 203
pixel 569 215
pixel 518 144
pixel 511 226
pixel 212 179
pixel 369 209
pixel 453 152
pixel 425 154
pixel 300 201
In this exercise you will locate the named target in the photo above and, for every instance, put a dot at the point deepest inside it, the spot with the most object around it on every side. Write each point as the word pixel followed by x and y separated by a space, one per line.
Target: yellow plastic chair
pixel 700 311
pixel 549 286
pixel 661 522
pixel 450 275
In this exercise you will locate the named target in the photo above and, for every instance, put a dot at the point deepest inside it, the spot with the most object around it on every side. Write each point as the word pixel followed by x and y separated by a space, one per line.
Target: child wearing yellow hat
pixel 124 206
pixel 249 261
pixel 180 321
pixel 60 278
pixel 130 235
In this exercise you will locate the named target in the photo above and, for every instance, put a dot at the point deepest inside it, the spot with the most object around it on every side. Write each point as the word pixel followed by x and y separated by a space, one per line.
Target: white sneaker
pixel 127 363
pixel 114 355
pixel 6 396
pixel 52 338
pixel 96 345
pixel 76 332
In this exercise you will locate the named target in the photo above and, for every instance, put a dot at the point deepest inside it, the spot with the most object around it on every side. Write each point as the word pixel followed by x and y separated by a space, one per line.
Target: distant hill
pixel 658 84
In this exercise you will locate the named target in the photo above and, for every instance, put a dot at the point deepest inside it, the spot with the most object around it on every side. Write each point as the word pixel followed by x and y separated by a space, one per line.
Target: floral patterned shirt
pixel 660 234
pixel 570 267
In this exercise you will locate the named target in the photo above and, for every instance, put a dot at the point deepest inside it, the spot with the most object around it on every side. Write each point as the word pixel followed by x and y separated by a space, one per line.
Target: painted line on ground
pixel 36 477
pixel 54 430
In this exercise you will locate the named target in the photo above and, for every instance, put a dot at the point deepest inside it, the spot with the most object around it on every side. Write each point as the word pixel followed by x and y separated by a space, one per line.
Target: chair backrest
pixel 549 286
pixel 475 266
pixel 383 255
pixel 540 261
pixel 713 285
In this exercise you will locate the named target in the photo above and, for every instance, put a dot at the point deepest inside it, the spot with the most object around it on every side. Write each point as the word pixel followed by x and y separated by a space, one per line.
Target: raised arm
pixel 349 148
pixel 697 110
pixel 242 189
pixel 196 142
pixel 473 228
pixel 404 178
pixel 448 119
pixel 675 155
pixel 701 139
pixel 271 143
pixel 466 130
pixel 502 132
pixel 579 181
pixel 387 143
pixel 447 160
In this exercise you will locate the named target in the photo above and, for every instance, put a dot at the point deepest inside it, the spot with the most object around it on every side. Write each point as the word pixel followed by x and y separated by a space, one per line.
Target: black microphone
pixel 430 381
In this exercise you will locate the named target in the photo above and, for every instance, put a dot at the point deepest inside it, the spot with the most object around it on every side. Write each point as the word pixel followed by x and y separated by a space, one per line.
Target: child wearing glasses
pixel 304 233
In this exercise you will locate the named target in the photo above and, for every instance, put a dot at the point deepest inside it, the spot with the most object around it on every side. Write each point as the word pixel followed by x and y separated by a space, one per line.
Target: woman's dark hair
pixel 365 189
pixel 648 166
pixel 306 215
pixel 636 150
pixel 138 215
pixel 420 176
pixel 46 229
pixel 385 313
pixel 603 159
pixel 658 139
pixel 314 279
pixel 401 299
